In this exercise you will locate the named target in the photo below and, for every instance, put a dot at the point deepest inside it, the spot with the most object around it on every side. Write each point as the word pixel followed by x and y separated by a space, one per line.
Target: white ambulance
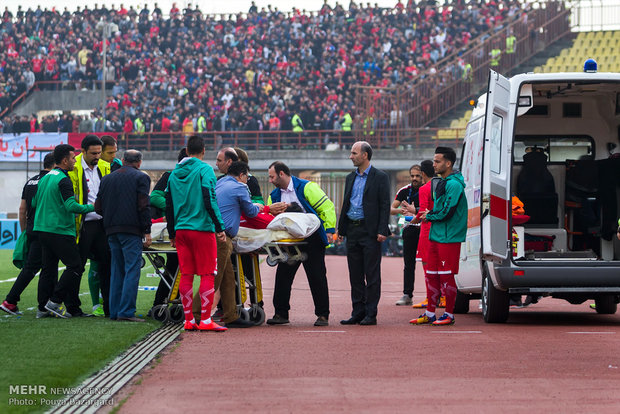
pixel 549 139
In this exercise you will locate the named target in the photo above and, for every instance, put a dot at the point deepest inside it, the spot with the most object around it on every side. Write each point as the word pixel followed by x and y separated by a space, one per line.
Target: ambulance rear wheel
pixel 257 315
pixel 160 313
pixel 176 314
pixel 495 302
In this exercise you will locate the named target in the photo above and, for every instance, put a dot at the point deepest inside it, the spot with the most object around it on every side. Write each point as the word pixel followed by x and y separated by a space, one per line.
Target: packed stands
pixel 245 72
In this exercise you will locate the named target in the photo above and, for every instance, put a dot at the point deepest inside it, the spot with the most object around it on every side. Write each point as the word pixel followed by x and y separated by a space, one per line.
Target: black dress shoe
pixel 277 320
pixel 368 321
pixel 351 321
pixel 82 315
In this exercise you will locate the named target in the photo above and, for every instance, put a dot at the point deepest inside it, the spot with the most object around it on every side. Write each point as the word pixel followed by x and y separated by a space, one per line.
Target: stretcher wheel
pixel 244 314
pixel 271 262
pixel 159 261
pixel 303 257
pixel 176 313
pixel 291 261
pixel 257 315
pixel 160 313
pixel 143 263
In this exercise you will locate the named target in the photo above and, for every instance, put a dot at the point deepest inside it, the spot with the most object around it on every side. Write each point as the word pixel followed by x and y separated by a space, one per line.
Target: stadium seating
pixel 604 47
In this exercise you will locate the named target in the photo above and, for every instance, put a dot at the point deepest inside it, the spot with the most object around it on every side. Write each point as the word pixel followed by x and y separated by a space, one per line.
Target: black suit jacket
pixel 375 202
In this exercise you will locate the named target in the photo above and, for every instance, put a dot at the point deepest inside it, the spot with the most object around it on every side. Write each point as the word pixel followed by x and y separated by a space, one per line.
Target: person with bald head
pixel 123 201
pixel 364 218
pixel 225 157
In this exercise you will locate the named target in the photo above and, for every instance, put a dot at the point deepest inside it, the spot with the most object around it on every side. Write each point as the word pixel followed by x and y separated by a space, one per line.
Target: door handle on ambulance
pixel 486 203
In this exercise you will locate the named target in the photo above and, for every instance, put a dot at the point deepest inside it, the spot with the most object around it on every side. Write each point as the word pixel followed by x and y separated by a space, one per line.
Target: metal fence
pixel 405 138
pixel 595 15
pixel 331 183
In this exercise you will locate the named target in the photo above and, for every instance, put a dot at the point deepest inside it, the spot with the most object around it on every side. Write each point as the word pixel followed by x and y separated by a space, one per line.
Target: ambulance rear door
pixel 496 170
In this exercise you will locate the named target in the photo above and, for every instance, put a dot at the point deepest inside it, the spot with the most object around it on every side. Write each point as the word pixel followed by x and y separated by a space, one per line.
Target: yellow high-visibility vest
pixel 495 55
pixel 510 44
pixel 467 73
pixel 369 124
pixel 296 123
pixel 347 123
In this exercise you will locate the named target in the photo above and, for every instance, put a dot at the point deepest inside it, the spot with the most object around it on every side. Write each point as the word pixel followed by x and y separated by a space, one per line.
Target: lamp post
pixel 105 27
pixel 106 33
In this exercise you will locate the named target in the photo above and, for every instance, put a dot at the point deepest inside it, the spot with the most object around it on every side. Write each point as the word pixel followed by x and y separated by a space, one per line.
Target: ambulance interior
pixel 566 172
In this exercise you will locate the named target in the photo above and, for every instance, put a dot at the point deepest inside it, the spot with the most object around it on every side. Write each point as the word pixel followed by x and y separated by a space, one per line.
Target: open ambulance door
pixel 496 169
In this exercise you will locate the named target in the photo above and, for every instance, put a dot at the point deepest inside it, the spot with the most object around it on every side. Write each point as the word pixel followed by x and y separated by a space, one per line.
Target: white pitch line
pixel 15 278
pixel 458 332
pixel 590 333
pixel 322 331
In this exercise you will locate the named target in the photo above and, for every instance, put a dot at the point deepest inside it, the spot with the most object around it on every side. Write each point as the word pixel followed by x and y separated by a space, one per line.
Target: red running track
pixel 551 357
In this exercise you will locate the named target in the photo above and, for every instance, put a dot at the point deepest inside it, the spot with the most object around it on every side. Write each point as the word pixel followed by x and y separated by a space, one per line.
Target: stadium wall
pixel 59 101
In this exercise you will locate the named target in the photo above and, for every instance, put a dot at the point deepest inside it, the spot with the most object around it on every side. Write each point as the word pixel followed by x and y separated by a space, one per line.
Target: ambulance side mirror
pixel 525 101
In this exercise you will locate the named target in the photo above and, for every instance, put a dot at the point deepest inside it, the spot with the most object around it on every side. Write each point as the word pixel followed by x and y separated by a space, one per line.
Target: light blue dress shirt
pixel 356 210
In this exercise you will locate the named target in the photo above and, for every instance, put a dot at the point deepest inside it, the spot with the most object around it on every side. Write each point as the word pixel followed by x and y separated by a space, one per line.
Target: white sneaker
pixel 404 301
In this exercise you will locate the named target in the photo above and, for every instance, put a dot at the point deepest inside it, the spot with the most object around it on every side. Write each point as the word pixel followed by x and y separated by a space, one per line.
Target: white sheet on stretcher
pixel 284 226
pixel 159 232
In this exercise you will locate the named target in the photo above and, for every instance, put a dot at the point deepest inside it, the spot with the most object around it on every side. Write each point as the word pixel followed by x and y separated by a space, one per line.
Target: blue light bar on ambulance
pixel 590 66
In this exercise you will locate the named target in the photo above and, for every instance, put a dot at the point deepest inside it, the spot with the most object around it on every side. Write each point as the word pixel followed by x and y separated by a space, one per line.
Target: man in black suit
pixel 364 221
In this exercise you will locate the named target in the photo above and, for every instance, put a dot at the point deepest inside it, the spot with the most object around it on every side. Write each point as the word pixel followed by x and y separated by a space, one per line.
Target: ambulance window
pixel 563 149
pixel 558 148
pixel 495 145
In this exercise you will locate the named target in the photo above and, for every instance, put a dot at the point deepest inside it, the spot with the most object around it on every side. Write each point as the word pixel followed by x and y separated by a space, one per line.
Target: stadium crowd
pixel 188 71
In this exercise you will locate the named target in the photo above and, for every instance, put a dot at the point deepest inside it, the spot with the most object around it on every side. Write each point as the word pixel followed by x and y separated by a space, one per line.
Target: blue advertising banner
pixel 9 233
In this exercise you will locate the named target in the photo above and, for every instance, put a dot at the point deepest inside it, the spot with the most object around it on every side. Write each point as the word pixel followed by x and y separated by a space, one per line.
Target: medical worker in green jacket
pixel 55 223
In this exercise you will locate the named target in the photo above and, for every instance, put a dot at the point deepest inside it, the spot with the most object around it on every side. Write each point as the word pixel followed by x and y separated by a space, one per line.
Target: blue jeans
pixel 126 252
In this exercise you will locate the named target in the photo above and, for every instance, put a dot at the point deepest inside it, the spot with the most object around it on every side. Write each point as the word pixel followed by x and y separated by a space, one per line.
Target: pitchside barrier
pixel 9 233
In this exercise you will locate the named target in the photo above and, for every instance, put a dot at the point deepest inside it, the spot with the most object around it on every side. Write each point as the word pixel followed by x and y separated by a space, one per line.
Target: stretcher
pixel 248 287
pixel 284 251
pixel 245 260
pixel 248 278
pixel 279 245
pixel 171 311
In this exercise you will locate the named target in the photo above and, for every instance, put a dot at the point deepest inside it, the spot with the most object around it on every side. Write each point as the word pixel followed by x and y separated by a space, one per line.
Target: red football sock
pixel 207 291
pixel 186 292
pixel 449 285
pixel 433 290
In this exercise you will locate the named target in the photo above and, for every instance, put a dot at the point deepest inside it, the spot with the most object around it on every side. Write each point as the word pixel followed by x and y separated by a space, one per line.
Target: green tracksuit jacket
pixel 56 206
pixel 190 198
pixel 449 215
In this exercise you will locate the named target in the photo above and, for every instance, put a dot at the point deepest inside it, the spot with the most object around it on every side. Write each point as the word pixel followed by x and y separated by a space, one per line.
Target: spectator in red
pixel 127 126
pixel 34 123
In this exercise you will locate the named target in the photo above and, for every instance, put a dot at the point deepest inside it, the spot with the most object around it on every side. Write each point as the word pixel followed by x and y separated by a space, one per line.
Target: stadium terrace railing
pixel 595 15
pixel 443 87
pixel 414 139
